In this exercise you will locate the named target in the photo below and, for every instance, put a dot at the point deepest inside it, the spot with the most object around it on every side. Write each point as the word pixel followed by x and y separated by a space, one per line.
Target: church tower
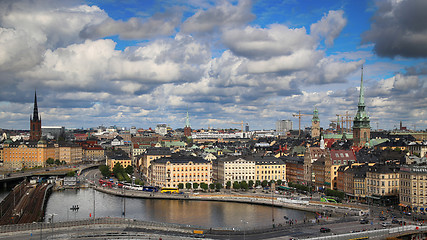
pixel 315 124
pixel 361 126
pixel 187 128
pixel 35 123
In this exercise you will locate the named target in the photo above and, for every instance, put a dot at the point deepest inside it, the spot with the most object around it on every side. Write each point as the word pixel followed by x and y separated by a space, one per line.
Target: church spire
pixel 36 110
pixel 362 93
pixel 187 120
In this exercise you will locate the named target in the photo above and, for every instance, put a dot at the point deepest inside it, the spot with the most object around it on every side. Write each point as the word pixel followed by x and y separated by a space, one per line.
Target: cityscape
pixel 214 120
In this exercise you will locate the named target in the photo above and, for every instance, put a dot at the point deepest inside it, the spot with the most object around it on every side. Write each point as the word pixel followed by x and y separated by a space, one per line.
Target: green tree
pixel 244 185
pixel 57 162
pixel 50 161
pixel 264 183
pixel 181 185
pixel 228 184
pixel 139 182
pixel 236 185
pixel 117 169
pixel 129 170
pixel 195 185
pixel 279 182
pixel 188 185
pixel 204 186
pixel 212 186
pixel 251 183
pixel 257 183
pixel 218 186
pixel 71 174
pixel 105 171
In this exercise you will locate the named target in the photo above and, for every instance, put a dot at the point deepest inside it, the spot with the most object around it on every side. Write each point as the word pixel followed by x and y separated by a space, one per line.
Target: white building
pixel 161 129
pixel 234 169
pixel 283 126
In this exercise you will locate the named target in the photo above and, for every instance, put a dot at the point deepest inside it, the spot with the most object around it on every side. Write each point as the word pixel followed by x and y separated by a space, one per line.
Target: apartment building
pixel 413 188
pixel 150 155
pixel 171 171
pixel 233 169
pixel 26 155
pixel 269 168
pixel 382 184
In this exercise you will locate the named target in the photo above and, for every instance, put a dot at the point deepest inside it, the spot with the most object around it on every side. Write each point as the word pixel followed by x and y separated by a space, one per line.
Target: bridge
pixel 13 178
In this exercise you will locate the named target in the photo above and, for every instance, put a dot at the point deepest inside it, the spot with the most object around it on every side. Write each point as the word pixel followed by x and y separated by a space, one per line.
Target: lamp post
pixel 244 228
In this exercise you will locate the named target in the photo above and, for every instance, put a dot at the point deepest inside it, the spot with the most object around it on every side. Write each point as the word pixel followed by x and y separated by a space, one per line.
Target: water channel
pixel 198 213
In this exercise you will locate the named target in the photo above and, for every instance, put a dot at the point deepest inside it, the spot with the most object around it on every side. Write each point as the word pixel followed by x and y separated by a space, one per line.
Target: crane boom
pixel 299 115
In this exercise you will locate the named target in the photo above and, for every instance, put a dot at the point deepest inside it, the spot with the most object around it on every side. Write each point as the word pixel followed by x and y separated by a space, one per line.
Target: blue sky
pixel 140 63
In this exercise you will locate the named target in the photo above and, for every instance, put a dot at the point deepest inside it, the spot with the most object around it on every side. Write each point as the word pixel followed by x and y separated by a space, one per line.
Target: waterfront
pixel 198 213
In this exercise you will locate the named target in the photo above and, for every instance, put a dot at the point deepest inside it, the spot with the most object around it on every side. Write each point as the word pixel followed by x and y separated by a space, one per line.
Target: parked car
pixel 382 218
pixel 386 224
pixel 325 229
pixel 364 221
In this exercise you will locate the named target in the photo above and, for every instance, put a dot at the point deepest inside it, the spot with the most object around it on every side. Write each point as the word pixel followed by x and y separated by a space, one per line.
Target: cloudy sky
pixel 140 63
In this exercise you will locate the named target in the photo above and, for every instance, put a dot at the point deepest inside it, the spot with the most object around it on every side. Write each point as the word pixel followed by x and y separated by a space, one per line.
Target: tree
pixel 57 162
pixel 105 171
pixel 212 186
pixel 71 174
pixel 218 186
pixel 264 183
pixel 228 184
pixel 188 185
pixel 251 183
pixel 279 182
pixel 236 185
pixel 139 182
pixel 257 183
pixel 244 185
pixel 117 169
pixel 129 170
pixel 181 185
pixel 204 186
pixel 195 185
pixel 50 161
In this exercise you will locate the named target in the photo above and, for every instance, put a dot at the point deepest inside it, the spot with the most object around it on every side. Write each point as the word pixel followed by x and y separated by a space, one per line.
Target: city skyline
pixel 139 64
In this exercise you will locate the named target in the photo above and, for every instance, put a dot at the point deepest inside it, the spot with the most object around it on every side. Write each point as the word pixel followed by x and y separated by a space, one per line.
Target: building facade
pixel 26 155
pixel 234 169
pixel 269 168
pixel 413 188
pixel 382 184
pixel 171 171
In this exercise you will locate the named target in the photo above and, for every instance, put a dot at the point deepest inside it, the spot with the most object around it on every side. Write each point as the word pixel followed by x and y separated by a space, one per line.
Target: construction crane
pixel 240 123
pixel 347 121
pixel 299 115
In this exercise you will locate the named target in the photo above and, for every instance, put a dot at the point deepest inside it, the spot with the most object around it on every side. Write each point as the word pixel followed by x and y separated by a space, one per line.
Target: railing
pixel 381 233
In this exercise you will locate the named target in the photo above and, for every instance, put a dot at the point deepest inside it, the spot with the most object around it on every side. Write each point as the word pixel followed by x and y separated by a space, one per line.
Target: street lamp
pixel 244 228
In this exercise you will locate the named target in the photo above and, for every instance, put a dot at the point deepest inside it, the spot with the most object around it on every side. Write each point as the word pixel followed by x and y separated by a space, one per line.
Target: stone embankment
pixel 275 200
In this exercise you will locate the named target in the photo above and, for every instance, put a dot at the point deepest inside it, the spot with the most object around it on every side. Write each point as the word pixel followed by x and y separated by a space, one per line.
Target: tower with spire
pixel 35 122
pixel 315 124
pixel 187 128
pixel 361 122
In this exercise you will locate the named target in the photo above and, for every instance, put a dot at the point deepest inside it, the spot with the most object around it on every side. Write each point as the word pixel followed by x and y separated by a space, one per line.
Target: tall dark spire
pixel 362 92
pixel 36 110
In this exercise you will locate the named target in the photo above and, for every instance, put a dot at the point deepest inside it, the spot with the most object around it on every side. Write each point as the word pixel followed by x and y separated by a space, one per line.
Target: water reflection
pixel 201 213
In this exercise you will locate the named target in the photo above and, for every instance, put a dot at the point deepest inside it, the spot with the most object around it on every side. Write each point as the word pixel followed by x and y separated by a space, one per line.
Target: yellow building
pixel 171 171
pixel 382 184
pixel 69 153
pixel 152 154
pixel 93 152
pixel 26 155
pixel 413 188
pixel 113 158
pixel 270 168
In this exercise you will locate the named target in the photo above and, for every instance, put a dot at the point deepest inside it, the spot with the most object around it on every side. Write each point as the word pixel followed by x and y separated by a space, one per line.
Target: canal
pixel 198 213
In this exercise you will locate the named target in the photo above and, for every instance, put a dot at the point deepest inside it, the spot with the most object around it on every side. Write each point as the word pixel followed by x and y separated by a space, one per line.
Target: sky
pixel 144 62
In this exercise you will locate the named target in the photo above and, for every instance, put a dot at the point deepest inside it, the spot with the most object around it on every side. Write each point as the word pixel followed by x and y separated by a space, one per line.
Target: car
pixel 395 221
pixel 386 224
pixel 364 221
pixel 325 229
pixel 382 218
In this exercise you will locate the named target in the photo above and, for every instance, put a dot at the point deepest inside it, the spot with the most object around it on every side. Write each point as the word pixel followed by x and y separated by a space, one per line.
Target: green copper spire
pixel 361 120
pixel 361 94
pixel 315 116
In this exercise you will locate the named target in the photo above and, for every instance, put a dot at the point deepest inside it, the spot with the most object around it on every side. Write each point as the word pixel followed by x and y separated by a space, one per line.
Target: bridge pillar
pixel 4 185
